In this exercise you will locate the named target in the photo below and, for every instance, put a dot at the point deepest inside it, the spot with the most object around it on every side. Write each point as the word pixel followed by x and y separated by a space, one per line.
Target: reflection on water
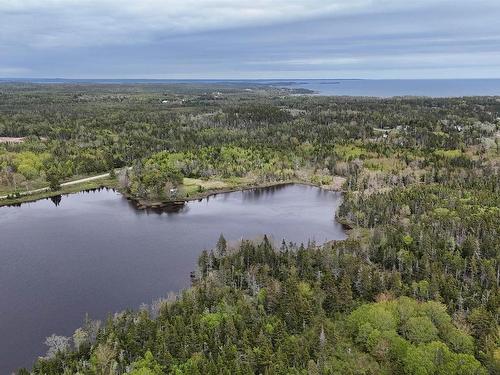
pixel 95 253
pixel 255 194
pixel 56 200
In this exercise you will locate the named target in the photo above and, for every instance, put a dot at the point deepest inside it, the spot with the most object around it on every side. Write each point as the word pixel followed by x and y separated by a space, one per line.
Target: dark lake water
pixel 95 253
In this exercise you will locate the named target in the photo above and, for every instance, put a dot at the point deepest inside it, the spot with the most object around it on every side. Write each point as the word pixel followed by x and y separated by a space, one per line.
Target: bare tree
pixel 80 337
pixel 56 344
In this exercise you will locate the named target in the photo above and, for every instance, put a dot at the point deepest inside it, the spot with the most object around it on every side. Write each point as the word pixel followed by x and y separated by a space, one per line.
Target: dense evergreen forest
pixel 413 290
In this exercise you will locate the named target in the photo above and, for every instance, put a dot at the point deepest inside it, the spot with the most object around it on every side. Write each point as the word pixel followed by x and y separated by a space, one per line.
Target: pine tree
pixel 221 247
pixel 344 294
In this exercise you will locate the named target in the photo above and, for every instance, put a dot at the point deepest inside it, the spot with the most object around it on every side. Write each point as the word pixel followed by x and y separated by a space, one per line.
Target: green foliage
pixel 448 153
pixel 54 178
pixel 146 366
pixel 413 345
pixel 29 164
pixel 349 152
pixel 422 195
pixel 407 239
pixel 264 305
pixel 420 330
pixel 376 316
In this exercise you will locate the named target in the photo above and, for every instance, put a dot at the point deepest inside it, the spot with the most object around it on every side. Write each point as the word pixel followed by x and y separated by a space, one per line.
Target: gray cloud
pixel 250 39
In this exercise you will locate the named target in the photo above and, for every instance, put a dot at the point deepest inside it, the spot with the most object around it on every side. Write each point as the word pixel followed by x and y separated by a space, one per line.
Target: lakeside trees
pixel 258 309
pixel 93 129
pixel 414 290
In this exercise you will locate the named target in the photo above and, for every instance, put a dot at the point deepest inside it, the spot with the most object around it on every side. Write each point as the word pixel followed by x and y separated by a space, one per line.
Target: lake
pixel 95 253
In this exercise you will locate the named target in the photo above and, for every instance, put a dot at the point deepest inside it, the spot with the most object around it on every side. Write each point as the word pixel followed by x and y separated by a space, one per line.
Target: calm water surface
pixel 400 87
pixel 95 253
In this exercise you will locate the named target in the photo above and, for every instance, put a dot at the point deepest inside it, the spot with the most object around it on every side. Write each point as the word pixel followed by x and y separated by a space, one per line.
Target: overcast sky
pixel 250 38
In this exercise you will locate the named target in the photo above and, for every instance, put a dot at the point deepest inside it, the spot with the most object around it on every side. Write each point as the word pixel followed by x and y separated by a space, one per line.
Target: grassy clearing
pixel 23 185
pixel 194 186
pixel 384 164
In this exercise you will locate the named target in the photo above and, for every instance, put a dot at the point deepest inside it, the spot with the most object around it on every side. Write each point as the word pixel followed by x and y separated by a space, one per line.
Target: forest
pixel 413 290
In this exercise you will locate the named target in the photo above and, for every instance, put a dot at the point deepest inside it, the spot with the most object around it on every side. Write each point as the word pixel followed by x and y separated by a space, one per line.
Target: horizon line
pixel 13 79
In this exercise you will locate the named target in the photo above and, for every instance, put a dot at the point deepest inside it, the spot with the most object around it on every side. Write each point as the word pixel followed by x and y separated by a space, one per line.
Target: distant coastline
pixel 382 88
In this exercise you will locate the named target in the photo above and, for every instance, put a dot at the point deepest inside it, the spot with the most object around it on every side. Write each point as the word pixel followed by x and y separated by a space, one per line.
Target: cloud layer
pixel 250 39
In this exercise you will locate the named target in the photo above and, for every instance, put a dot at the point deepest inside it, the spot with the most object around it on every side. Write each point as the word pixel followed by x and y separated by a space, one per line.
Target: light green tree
pixel 146 366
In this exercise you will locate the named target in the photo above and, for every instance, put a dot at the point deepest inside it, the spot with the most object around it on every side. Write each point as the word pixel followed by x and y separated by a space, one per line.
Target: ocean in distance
pixel 336 87
pixel 402 87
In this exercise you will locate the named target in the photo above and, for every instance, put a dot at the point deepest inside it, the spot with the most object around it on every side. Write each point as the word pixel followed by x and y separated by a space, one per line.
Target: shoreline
pixel 142 203
pixel 110 183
